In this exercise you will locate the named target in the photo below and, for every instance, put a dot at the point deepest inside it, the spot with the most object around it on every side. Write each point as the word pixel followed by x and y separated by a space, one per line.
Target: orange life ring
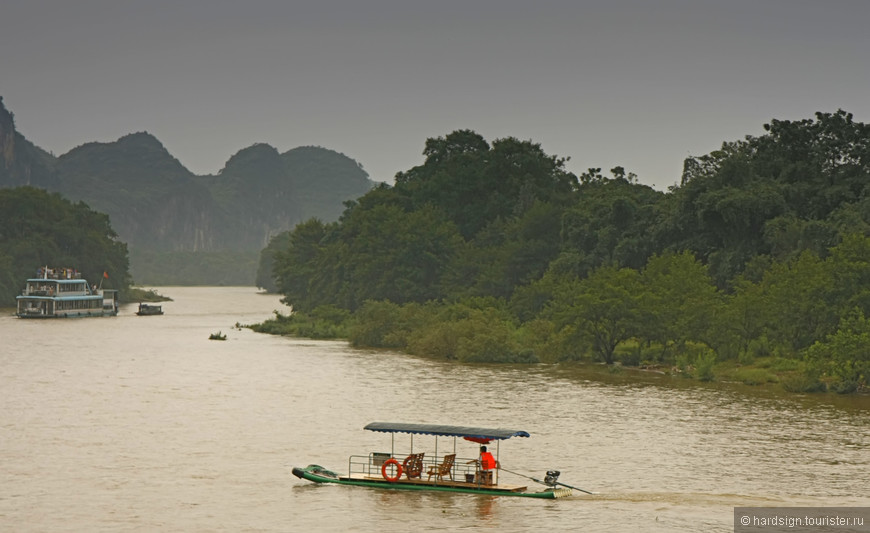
pixel 391 461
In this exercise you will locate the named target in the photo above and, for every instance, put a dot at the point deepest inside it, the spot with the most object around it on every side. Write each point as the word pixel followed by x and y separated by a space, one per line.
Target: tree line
pixel 494 252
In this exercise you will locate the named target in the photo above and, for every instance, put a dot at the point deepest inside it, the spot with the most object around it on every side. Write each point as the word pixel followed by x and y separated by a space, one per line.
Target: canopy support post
pixel 497 463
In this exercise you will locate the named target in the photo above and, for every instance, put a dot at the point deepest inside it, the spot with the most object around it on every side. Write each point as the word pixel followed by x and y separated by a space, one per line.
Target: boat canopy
pixel 469 433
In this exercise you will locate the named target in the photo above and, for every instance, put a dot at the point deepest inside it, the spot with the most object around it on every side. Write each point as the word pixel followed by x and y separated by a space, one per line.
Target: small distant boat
pixel 448 473
pixel 149 310
pixel 217 337
pixel 62 293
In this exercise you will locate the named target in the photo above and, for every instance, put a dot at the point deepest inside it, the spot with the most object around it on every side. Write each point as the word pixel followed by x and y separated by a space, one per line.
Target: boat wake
pixel 686 498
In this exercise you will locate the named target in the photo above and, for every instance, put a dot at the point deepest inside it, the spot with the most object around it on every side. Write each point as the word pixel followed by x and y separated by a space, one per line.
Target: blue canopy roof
pixel 446 431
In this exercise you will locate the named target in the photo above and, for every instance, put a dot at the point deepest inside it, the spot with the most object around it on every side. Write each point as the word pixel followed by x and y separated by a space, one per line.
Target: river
pixel 142 423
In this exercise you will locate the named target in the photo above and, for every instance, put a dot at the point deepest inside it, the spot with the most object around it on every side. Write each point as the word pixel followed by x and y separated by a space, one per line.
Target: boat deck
pixel 505 487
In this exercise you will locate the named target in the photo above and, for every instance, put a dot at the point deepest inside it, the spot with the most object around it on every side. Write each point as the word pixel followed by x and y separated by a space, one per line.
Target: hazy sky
pixel 642 84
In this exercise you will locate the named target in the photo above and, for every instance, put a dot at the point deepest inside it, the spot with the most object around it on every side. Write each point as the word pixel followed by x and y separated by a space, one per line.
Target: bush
pixel 325 322
pixel 280 325
pixel 373 323
pixel 539 339
pixel 843 356
pixel 485 339
pixel 753 376
pixel 436 340
pixel 780 364
pixel 802 382
pixel 759 348
pixel 683 365
pixel 330 314
pixel 845 386
pixel 704 365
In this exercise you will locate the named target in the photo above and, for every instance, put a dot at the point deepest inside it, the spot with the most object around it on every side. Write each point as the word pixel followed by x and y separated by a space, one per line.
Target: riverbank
pixel 671 378
pixel 776 375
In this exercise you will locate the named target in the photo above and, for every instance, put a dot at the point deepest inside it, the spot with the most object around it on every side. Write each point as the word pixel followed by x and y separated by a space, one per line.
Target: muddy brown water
pixel 141 423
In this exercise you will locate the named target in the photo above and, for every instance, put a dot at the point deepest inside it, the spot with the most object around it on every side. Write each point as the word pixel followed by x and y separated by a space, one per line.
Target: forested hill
pixel 493 252
pixel 41 228
pixel 156 203
pixel 167 215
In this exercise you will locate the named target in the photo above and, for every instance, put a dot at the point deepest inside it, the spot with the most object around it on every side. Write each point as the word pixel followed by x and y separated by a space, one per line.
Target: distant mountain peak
pixel 142 138
pixel 136 153
pixel 308 151
pixel 310 157
pixel 253 157
pixel 260 149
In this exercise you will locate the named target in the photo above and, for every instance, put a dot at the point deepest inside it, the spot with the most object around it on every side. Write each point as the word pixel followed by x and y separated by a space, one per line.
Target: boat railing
pixel 464 469
pixel 367 465
pixel 38 290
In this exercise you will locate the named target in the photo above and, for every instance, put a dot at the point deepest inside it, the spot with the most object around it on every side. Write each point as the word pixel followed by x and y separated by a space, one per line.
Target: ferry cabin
pixel 55 298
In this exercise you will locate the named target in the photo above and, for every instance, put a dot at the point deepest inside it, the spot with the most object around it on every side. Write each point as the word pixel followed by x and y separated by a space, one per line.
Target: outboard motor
pixel 552 477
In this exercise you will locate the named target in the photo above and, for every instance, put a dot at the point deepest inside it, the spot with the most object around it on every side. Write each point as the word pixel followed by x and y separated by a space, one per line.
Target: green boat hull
pixel 318 474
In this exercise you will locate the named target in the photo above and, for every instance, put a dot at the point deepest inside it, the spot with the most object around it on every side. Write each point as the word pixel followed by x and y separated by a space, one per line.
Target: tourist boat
pixel 447 473
pixel 62 293
pixel 149 310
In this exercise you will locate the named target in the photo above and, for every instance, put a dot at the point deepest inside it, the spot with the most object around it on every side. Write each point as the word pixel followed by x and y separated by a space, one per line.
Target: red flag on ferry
pixel 106 275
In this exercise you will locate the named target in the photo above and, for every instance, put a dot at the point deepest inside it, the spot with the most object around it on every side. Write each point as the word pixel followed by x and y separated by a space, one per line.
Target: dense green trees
pixel 38 229
pixel 601 310
pixel 493 252
pixel 472 220
pixel 610 221
pixel 843 354
pixel 476 184
pixel 382 252
pixel 792 189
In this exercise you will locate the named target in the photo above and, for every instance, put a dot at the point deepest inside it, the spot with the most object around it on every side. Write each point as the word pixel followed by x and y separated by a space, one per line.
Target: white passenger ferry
pixel 62 293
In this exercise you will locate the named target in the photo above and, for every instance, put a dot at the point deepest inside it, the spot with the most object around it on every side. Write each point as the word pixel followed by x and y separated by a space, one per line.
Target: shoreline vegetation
pixel 768 372
pixel 139 294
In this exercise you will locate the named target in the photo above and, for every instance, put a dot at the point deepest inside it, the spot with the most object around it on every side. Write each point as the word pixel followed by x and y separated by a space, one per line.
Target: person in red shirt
pixel 487 464
pixel 487 461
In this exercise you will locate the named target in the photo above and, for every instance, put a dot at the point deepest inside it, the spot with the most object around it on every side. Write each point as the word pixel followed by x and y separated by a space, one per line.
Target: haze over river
pixel 141 424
